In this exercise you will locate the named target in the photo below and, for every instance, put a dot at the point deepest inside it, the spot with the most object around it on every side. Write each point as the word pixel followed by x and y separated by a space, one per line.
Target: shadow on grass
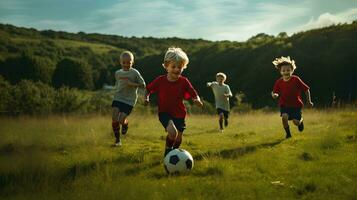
pixel 236 152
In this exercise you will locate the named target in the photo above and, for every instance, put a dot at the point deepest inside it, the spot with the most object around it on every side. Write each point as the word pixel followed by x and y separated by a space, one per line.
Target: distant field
pixel 99 48
pixel 70 158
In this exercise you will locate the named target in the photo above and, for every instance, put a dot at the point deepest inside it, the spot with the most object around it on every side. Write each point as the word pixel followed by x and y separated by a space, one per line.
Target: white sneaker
pixel 221 130
pixel 117 144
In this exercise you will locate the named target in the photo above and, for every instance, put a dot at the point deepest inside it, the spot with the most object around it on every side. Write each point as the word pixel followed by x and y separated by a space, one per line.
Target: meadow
pixel 70 157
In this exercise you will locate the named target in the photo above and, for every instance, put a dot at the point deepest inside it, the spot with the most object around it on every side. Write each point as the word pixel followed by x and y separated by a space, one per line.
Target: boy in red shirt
pixel 171 89
pixel 288 88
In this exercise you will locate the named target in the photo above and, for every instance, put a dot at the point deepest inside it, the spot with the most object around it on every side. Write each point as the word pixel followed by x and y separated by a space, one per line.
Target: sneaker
pixel 117 143
pixel 124 128
pixel 221 130
pixel 167 150
pixel 301 126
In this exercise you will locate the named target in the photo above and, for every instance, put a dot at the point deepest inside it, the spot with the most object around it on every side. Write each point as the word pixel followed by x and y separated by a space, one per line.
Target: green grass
pixel 70 158
pixel 96 47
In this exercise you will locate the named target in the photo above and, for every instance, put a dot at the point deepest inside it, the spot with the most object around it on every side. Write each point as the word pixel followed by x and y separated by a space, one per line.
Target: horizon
pixel 218 21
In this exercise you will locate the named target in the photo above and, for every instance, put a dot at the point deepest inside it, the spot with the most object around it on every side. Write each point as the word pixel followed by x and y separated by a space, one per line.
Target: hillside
pixel 325 59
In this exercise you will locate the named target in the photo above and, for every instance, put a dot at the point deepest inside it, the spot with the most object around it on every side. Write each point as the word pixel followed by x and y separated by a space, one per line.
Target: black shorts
pixel 294 113
pixel 225 113
pixel 123 107
pixel 178 122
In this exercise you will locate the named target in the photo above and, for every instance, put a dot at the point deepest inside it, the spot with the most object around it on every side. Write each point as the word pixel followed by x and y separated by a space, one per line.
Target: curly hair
pixel 278 62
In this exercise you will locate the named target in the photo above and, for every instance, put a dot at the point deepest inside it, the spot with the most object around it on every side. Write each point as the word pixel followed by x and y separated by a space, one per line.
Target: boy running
pixel 288 88
pixel 128 80
pixel 222 93
pixel 171 90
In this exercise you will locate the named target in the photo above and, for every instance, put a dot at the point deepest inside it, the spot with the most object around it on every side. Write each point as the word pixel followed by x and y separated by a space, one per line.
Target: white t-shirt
pixel 123 92
pixel 222 101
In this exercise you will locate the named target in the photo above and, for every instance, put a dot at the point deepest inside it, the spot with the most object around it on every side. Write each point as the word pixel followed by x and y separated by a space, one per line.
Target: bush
pixel 32 98
pixel 5 95
pixel 28 67
pixel 73 73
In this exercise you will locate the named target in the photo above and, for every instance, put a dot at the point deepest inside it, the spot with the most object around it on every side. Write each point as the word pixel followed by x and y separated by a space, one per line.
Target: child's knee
pixel 221 116
pixel 296 122
pixel 115 113
pixel 122 118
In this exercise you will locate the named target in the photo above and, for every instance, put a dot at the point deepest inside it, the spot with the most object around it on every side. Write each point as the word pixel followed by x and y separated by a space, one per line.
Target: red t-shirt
pixel 171 94
pixel 290 91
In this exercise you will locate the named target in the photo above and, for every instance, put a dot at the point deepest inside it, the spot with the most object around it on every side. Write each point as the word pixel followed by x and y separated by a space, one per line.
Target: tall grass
pixel 69 157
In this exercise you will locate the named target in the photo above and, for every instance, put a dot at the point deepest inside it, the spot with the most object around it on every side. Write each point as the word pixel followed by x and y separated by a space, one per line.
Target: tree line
pixel 325 60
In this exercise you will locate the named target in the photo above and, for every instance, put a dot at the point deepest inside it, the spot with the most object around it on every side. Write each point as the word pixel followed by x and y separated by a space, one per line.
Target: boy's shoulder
pixel 226 85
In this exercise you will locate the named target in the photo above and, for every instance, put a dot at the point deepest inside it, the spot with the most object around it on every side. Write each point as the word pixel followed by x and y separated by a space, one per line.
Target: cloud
pixel 219 20
pixel 328 19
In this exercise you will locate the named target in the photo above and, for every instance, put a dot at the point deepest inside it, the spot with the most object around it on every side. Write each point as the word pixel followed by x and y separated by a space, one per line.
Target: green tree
pixel 73 73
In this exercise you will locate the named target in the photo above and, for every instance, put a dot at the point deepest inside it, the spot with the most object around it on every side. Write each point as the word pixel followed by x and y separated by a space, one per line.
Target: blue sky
pixel 207 19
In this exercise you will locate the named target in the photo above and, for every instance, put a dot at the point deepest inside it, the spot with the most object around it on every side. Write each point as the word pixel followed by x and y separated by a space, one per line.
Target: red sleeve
pixel 152 87
pixel 276 88
pixel 302 85
pixel 190 92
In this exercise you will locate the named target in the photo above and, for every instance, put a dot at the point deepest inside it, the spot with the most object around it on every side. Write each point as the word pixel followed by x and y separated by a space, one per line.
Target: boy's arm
pixel 150 88
pixel 275 91
pixel 139 81
pixel 229 92
pixel 197 101
pixel 308 98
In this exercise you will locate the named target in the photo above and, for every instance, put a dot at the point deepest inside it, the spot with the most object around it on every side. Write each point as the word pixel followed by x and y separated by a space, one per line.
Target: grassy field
pixel 71 158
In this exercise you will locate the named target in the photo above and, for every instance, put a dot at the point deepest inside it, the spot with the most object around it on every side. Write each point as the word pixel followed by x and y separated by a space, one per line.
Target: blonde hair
pixel 177 55
pixel 278 62
pixel 127 53
pixel 221 74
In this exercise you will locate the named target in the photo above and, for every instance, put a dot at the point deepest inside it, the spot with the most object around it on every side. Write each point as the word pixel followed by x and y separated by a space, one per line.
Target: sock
pixel 177 143
pixel 221 123
pixel 225 122
pixel 116 127
pixel 169 142
pixel 287 130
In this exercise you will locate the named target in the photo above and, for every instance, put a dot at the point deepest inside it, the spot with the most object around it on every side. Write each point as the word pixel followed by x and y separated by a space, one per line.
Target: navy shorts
pixel 178 122
pixel 225 113
pixel 123 107
pixel 294 113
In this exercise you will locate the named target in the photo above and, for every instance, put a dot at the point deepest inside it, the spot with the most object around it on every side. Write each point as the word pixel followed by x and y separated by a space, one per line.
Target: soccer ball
pixel 178 160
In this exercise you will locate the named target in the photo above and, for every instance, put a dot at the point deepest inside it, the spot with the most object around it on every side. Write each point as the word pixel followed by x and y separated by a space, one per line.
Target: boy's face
pixel 219 79
pixel 174 70
pixel 286 71
pixel 126 62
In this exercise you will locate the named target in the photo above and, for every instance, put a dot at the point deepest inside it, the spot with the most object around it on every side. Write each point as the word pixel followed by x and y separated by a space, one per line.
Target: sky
pixel 235 20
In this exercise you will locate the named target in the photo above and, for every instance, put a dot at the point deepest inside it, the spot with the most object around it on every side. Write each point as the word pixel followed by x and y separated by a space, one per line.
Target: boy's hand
pixel 146 102
pixel 198 102
pixel 209 84
pixel 274 95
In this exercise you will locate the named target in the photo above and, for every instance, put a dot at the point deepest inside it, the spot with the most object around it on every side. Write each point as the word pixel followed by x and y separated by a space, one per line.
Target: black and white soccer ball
pixel 178 160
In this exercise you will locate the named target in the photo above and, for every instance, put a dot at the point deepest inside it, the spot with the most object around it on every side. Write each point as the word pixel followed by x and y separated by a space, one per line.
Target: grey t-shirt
pixel 123 92
pixel 219 91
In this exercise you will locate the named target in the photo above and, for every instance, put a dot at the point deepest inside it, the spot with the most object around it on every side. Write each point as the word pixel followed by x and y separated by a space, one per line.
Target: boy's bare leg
pixel 299 123
pixel 171 136
pixel 285 121
pixel 115 124
pixel 124 122
pixel 221 117
pixel 178 140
